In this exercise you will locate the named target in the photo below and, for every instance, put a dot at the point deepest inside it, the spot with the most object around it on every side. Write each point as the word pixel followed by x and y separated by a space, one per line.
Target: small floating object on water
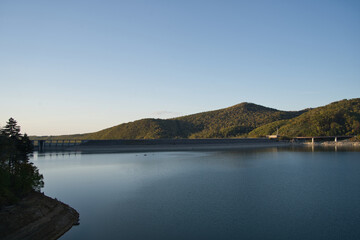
pixel 145 155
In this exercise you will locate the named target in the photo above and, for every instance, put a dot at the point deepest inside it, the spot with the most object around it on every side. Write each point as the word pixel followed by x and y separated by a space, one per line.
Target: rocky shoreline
pixel 37 217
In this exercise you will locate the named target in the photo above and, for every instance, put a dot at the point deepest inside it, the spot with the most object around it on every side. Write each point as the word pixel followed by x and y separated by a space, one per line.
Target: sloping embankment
pixel 37 217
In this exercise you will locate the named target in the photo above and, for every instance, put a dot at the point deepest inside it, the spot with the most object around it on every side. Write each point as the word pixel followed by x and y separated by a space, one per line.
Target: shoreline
pixel 37 216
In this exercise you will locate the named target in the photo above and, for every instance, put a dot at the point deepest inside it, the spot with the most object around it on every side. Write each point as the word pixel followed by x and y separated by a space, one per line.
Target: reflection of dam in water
pixel 41 145
pixel 36 155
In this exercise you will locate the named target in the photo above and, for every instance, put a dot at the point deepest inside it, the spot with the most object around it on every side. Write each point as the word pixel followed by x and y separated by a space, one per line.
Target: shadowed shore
pixel 37 217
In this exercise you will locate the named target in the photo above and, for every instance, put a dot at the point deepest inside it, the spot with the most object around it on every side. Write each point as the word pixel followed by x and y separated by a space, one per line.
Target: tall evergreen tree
pixel 11 129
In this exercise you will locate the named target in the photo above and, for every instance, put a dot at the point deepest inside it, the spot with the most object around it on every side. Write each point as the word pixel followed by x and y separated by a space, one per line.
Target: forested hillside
pixel 234 121
pixel 145 129
pixel 229 122
pixel 242 120
pixel 338 118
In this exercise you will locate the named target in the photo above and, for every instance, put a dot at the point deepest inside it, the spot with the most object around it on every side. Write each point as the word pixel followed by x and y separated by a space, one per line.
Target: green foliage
pixel 268 129
pixel 245 119
pixel 18 176
pixel 234 121
pixel 338 118
pixel 145 129
pixel 224 123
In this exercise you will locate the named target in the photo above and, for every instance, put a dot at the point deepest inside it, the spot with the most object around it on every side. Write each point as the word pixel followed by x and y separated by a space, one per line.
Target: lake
pixel 270 193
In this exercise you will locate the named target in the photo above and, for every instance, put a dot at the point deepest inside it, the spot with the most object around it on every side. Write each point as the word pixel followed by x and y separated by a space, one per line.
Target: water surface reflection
pixel 249 194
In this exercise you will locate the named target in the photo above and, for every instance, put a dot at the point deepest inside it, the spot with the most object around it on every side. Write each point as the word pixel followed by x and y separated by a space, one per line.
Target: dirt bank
pixel 36 217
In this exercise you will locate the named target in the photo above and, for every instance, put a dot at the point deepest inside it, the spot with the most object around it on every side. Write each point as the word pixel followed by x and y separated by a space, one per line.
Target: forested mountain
pixel 337 118
pixel 234 121
pixel 145 129
pixel 228 122
pixel 242 120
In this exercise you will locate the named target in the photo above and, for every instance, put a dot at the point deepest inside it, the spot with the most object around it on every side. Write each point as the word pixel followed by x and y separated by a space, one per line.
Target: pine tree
pixel 11 129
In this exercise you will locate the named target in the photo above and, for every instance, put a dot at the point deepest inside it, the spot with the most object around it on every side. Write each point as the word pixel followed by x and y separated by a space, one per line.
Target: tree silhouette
pixel 18 176
pixel 11 129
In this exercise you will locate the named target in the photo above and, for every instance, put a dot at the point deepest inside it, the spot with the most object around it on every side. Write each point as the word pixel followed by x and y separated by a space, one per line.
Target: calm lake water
pixel 249 194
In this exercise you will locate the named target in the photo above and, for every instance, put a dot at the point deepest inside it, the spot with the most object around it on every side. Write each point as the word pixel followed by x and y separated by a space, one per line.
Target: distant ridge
pixel 241 120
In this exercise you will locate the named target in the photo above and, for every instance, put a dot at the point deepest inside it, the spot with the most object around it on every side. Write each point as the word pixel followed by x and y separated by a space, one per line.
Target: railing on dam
pixel 42 145
pixel 174 141
pixel 55 144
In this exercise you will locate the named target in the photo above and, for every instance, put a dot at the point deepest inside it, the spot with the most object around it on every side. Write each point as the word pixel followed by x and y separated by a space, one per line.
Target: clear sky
pixel 80 66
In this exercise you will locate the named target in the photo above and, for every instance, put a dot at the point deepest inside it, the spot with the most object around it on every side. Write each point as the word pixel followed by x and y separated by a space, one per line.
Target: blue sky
pixel 80 66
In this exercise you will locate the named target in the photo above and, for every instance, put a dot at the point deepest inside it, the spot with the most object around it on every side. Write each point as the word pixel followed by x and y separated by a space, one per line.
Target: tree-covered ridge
pixel 18 176
pixel 242 120
pixel 145 129
pixel 234 121
pixel 228 122
pixel 337 118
